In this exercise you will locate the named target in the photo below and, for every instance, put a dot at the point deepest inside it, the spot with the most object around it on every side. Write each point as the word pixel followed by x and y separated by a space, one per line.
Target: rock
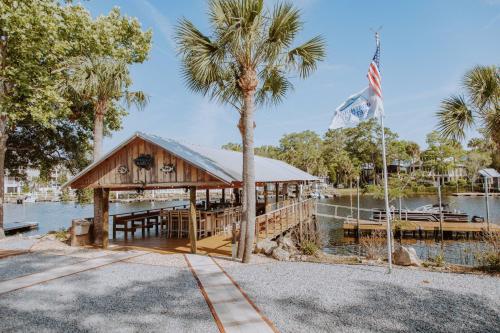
pixel 406 256
pixel 280 254
pixel 288 243
pixel 266 246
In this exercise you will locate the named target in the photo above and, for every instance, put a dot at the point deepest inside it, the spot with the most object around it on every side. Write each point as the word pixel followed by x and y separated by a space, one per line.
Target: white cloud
pixel 161 22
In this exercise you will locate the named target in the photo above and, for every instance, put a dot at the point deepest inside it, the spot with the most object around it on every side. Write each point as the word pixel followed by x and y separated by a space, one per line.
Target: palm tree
pixel 245 62
pixel 481 102
pixel 99 82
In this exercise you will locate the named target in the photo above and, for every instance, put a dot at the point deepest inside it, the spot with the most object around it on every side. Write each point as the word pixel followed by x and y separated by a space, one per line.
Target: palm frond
pixel 283 27
pixel 454 118
pixel 274 87
pixel 137 98
pixel 306 56
pixel 483 86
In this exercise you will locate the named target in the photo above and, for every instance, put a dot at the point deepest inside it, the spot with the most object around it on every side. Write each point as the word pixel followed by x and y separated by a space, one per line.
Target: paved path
pixel 233 311
pixel 58 272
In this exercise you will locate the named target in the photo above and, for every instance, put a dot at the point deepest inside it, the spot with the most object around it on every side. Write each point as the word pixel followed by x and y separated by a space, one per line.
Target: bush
pixel 309 248
pixel 61 234
pixel 488 257
pixel 374 245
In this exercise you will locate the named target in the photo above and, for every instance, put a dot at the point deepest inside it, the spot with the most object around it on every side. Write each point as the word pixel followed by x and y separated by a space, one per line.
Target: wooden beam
pixel 266 198
pixel 105 218
pixel 207 198
pixel 151 186
pixel 98 216
pixel 277 192
pixel 192 219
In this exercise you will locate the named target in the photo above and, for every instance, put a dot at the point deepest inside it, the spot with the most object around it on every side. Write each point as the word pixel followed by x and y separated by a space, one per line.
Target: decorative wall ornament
pixel 122 169
pixel 144 161
pixel 168 168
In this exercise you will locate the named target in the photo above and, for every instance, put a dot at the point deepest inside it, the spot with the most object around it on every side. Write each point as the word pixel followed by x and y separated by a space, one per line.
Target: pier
pixel 405 228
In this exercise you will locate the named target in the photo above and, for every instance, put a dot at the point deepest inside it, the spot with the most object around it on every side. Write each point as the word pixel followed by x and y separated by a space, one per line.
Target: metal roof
pixel 489 173
pixel 224 164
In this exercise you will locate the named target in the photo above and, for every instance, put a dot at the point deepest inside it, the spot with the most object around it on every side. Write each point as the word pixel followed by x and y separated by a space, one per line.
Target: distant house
pixel 493 178
pixel 399 166
pixel 12 185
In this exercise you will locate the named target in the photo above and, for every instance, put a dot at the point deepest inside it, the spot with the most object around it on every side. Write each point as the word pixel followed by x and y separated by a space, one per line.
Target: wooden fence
pixel 273 223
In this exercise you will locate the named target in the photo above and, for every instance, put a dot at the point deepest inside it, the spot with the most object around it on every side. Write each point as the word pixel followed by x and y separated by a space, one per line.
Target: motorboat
pixel 429 213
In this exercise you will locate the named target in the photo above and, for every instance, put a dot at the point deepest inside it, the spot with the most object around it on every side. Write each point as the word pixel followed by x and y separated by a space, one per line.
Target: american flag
pixel 373 72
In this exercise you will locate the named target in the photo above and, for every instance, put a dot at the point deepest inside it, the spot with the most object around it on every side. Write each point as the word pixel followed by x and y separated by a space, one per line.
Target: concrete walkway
pixel 58 272
pixel 233 311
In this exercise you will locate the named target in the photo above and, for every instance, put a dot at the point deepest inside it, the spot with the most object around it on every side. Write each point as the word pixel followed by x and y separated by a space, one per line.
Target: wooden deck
pixel 424 226
pixel 214 245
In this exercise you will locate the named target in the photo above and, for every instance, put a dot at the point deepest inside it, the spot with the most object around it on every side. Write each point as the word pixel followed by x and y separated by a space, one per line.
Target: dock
pixel 16 227
pixel 475 194
pixel 407 228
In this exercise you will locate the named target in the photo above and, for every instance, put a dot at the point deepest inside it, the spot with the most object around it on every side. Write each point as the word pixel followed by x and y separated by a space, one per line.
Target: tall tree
pixel 303 150
pixel 35 37
pixel 245 62
pixel 480 102
pixel 30 45
pixel 101 82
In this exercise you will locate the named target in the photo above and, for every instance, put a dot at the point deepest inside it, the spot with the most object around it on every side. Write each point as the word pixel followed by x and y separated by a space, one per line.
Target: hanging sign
pixel 168 168
pixel 122 169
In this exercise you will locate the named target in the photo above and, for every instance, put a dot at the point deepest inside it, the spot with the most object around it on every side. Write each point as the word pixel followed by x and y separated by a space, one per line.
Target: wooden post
pixel 266 199
pixel 223 196
pixel 192 218
pixel 207 198
pixel 97 228
pixel 105 217
pixel 277 193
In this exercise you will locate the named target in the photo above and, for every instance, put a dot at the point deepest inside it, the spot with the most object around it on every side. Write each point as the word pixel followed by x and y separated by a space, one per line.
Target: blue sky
pixel 427 45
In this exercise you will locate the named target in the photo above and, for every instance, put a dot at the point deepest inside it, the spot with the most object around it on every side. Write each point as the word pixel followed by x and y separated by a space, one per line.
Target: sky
pixel 426 47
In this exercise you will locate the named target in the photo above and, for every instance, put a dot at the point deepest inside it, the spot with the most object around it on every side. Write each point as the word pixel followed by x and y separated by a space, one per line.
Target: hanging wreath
pixel 144 161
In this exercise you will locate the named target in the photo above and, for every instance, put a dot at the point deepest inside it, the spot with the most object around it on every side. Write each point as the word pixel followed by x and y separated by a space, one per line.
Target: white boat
pixel 429 213
pixel 29 199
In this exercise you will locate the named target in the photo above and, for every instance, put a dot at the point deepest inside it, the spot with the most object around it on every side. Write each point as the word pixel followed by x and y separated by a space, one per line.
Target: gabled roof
pixel 225 165
pixel 489 173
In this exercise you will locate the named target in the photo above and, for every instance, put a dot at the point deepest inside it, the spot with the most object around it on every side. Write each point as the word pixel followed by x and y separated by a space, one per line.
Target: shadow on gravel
pixel 117 298
pixel 16 266
pixel 385 307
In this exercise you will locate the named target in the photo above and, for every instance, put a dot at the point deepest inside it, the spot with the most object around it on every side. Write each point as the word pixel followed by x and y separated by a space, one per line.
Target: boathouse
pixel 149 162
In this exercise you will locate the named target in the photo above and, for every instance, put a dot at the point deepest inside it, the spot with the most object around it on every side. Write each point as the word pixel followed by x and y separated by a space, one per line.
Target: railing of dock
pixel 277 221
pixel 350 213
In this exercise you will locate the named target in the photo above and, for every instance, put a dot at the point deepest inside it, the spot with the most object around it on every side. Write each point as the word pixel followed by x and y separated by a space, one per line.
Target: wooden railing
pixel 277 221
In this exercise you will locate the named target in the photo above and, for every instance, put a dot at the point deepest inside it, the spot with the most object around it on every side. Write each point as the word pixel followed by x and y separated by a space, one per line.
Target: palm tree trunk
pixel 249 175
pixel 243 226
pixel 98 136
pixel 3 149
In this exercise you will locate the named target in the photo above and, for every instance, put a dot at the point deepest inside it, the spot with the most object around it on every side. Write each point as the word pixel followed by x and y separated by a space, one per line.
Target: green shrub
pixel 309 248
pixel 488 258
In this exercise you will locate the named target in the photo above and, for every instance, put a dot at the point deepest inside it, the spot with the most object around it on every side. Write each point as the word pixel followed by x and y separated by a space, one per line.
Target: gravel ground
pixel 122 297
pixel 309 297
pixel 15 266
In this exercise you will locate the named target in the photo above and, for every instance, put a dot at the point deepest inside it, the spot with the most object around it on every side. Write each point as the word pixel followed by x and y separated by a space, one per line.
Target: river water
pixel 459 252
pixel 57 215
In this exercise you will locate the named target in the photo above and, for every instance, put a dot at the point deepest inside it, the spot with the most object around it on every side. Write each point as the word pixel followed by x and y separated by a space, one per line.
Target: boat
pixel 429 213
pixel 26 199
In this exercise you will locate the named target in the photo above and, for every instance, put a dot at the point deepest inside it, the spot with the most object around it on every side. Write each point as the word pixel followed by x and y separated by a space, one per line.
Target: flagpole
pixel 386 198
pixel 386 187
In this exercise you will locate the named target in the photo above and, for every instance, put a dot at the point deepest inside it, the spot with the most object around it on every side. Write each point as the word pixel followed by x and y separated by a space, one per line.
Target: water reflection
pixel 455 251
